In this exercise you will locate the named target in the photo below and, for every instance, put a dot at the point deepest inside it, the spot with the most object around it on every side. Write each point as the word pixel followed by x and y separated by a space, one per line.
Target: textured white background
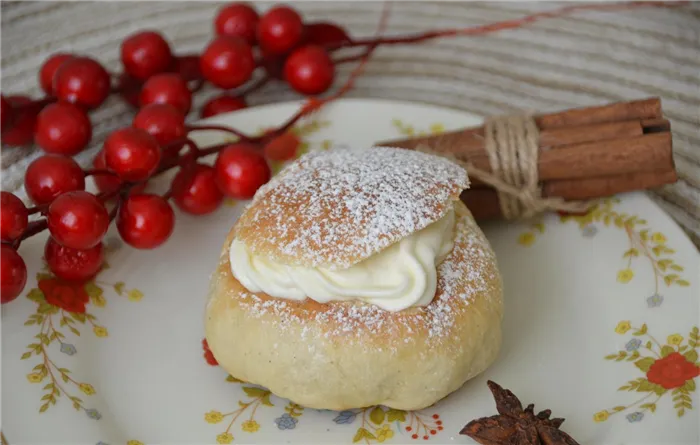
pixel 588 59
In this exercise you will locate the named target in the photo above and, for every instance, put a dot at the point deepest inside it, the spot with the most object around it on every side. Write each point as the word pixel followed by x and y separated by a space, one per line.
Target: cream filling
pixel 401 276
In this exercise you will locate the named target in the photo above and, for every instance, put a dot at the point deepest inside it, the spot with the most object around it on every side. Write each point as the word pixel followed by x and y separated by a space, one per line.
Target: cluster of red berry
pixel 159 84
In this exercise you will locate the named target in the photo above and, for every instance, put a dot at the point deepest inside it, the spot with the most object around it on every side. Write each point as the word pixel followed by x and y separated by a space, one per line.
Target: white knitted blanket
pixel 587 59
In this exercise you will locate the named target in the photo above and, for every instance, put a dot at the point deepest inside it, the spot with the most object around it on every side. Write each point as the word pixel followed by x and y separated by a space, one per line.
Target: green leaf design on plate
pixel 644 364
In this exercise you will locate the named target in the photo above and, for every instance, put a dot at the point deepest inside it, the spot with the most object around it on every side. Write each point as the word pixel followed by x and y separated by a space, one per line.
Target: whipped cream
pixel 401 276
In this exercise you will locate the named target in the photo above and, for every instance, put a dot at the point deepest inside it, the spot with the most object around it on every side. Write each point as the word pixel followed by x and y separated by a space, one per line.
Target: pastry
pixel 356 277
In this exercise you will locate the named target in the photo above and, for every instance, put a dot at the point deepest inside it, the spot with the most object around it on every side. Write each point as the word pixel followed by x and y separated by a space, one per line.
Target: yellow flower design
pixel 34 377
pixel 526 239
pixel 623 327
pixel 384 433
pixel 135 295
pixel 87 388
pixel 250 426
pixel 658 238
pixel 213 417
pixel 100 331
pixel 674 339
pixel 601 416
pixel 625 275
pixel 224 438
pixel 437 128
pixel 134 442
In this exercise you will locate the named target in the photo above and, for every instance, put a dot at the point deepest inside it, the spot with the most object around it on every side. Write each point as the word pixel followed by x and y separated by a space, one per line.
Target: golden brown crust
pixel 359 350
pixel 338 207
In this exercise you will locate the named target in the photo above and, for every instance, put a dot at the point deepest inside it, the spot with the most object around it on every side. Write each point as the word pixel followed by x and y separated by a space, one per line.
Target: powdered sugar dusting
pixel 335 208
pixel 462 276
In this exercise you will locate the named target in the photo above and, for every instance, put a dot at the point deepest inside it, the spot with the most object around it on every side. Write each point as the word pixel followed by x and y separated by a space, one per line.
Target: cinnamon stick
pixel 485 204
pixel 612 157
pixel 620 111
pixel 468 143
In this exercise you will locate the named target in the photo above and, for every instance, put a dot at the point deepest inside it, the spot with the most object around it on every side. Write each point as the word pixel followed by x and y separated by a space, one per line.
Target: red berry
pixel 48 70
pixel 433 432
pixel 21 131
pixel 282 148
pixel 62 128
pixel 414 436
pixel 145 53
pixel 208 355
pixel 187 67
pixel 167 88
pixel 237 20
pixel 6 113
pixel 323 33
pixel 240 171
pixel 73 264
pixel 426 437
pixel 436 416
pixel 77 220
pixel 408 428
pixel 309 70
pixel 145 221
pixel 195 190
pixel 82 81
pixel 439 422
pixel 440 428
pixel 51 175
pixel 162 121
pixel 109 182
pixel 13 274
pixel 222 104
pixel 13 216
pixel 227 62
pixel 130 89
pixel 280 29
pixel 132 153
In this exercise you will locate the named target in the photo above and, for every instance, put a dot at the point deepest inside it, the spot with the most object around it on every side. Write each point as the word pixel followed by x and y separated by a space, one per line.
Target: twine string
pixel 512 147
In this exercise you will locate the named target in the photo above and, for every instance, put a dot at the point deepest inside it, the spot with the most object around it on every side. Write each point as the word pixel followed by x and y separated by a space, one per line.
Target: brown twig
pixel 232 131
pixel 504 25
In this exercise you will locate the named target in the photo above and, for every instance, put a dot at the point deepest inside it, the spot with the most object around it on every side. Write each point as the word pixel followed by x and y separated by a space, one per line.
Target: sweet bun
pixel 335 210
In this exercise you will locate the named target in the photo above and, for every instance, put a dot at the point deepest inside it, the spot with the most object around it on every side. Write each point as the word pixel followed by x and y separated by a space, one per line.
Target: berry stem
pixel 32 229
pixel 198 86
pixel 115 209
pixel 92 172
pixel 232 131
pixel 500 26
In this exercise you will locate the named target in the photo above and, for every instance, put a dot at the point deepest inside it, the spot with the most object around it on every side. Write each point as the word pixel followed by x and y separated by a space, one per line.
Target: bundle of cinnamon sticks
pixel 585 153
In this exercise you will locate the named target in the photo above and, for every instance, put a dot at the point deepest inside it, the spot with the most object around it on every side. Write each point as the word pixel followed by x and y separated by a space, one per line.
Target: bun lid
pixel 337 207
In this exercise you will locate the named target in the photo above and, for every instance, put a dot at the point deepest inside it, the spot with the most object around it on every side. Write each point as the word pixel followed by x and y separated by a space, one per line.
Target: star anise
pixel 516 426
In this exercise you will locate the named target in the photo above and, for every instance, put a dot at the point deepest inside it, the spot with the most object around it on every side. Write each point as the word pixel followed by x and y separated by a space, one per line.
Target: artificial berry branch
pixel 160 84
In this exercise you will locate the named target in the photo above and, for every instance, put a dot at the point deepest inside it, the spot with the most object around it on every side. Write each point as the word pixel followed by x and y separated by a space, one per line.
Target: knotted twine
pixel 512 146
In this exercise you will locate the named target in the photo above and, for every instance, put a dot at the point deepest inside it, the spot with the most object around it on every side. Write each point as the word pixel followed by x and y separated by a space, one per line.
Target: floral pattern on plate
pixel 588 312
pixel 379 424
pixel 257 397
pixel 643 243
pixel 670 367
pixel 62 308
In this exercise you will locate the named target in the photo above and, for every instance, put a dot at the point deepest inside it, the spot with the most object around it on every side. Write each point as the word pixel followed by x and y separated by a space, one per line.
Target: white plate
pixel 591 306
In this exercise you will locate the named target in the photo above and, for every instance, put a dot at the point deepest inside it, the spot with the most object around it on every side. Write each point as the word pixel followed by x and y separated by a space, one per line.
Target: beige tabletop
pixel 589 59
